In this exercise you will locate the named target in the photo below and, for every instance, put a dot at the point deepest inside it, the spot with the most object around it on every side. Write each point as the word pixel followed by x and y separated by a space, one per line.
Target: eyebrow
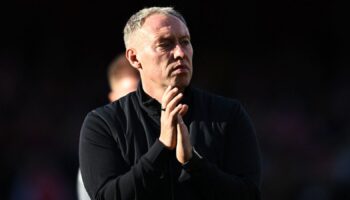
pixel 185 37
pixel 163 38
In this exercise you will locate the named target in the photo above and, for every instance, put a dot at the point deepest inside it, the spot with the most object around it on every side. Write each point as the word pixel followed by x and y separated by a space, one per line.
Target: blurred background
pixel 286 61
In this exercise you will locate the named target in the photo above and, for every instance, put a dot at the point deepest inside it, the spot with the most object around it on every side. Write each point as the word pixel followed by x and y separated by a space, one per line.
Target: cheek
pixel 190 53
pixel 191 50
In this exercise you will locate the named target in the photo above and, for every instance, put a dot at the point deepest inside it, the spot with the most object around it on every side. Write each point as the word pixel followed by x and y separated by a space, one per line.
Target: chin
pixel 181 83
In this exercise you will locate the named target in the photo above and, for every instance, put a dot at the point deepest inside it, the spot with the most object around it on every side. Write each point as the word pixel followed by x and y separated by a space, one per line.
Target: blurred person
pixel 168 139
pixel 122 79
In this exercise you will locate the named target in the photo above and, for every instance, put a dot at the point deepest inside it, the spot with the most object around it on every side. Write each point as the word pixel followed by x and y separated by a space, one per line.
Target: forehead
pixel 160 25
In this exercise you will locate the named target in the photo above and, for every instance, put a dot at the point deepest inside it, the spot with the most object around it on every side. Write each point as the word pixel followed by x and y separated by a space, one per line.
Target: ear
pixel 131 56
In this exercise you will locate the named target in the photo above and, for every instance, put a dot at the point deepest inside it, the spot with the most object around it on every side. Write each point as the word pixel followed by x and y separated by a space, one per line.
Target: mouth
pixel 181 68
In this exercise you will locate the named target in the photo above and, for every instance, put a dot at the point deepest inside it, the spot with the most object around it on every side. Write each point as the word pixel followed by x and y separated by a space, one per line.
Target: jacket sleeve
pixel 105 173
pixel 239 176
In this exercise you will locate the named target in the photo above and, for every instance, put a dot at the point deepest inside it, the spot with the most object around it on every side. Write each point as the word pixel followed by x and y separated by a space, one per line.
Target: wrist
pixel 194 162
pixel 167 144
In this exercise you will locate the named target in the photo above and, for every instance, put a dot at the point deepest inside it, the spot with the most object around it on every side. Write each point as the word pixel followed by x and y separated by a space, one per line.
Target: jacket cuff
pixel 194 163
pixel 157 154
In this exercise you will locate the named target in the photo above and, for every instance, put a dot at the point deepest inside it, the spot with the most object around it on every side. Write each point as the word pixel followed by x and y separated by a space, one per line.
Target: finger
pixel 180 128
pixel 166 92
pixel 183 142
pixel 168 88
pixel 168 95
pixel 183 110
pixel 175 112
pixel 174 102
pixel 182 133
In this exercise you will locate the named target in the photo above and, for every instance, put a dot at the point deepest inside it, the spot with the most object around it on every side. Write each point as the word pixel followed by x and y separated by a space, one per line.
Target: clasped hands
pixel 174 132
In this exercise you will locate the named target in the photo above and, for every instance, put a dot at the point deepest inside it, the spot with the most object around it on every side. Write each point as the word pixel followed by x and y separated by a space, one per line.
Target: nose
pixel 179 52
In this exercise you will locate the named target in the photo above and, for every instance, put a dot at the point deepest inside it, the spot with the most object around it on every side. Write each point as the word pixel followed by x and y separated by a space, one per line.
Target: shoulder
pixel 116 107
pixel 216 103
pixel 112 113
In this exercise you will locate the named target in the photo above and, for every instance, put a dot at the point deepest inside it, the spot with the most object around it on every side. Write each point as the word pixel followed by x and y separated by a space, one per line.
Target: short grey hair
pixel 136 20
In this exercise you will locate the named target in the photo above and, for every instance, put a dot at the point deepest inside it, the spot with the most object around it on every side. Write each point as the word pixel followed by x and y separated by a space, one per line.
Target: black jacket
pixel 122 158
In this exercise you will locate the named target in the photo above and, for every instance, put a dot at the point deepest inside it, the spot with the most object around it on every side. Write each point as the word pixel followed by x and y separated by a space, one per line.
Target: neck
pixel 155 93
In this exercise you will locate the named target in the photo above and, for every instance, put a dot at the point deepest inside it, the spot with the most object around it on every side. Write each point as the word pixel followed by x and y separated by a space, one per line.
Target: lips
pixel 181 68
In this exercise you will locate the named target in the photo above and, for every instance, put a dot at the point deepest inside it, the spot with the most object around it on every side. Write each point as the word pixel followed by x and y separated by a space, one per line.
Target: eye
pixel 185 41
pixel 166 44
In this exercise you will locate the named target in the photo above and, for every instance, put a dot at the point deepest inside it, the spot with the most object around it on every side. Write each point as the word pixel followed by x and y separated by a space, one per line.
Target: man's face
pixel 164 51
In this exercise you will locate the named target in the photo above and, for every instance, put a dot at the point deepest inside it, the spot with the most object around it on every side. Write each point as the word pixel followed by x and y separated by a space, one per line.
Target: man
pixel 168 140
pixel 122 79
